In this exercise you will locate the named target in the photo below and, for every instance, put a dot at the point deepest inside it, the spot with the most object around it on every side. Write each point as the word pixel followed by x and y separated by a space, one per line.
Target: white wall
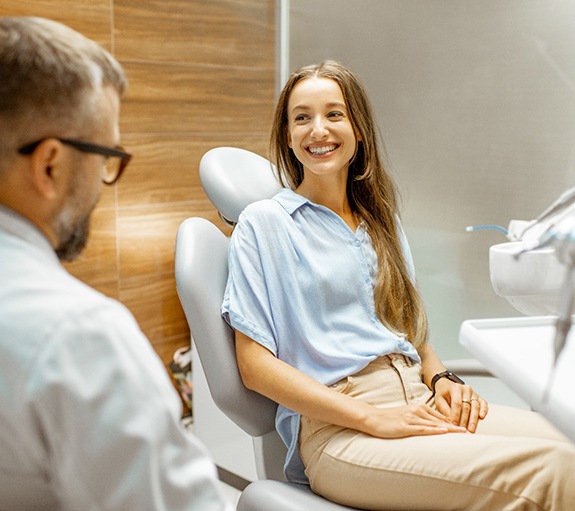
pixel 476 102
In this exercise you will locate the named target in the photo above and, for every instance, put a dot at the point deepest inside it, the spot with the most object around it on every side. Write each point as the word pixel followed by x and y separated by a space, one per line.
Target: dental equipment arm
pixel 563 324
pixel 560 234
pixel 564 319
pixel 561 203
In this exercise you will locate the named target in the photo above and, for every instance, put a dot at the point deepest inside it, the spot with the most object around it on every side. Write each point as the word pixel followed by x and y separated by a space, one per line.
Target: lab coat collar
pixel 16 225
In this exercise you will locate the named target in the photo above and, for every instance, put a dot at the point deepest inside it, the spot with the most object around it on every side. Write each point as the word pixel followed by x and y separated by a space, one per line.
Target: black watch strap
pixel 445 374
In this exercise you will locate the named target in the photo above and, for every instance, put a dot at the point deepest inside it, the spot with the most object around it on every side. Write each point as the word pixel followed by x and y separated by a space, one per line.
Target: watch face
pixel 455 378
pixel 446 374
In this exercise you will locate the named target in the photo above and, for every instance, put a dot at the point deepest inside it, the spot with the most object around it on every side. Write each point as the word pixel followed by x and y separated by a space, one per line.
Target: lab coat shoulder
pixel 110 417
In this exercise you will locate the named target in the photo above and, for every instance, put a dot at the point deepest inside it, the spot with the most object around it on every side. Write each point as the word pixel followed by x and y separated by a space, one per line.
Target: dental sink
pixel 519 351
pixel 532 269
pixel 532 282
pixel 535 272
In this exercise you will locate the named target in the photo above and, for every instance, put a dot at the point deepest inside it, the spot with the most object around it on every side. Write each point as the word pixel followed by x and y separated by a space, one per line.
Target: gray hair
pixel 49 78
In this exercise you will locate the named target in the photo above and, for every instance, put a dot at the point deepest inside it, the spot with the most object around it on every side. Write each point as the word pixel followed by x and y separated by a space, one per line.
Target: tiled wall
pixel 201 75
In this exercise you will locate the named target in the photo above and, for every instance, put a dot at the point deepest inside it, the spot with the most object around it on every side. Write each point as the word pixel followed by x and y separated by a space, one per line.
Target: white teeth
pixel 322 150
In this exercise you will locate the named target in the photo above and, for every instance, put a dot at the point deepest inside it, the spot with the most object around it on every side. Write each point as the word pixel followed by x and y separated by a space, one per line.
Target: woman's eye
pixel 300 118
pixel 335 114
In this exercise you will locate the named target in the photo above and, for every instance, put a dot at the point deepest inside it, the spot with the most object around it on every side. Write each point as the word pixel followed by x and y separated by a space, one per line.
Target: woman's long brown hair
pixel 371 193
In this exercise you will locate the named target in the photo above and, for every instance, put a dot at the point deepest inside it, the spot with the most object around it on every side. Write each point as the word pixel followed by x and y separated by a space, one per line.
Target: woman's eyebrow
pixel 334 104
pixel 300 107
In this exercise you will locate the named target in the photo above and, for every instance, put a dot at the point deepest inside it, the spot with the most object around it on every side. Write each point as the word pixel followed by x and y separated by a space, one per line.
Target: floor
pixel 231 493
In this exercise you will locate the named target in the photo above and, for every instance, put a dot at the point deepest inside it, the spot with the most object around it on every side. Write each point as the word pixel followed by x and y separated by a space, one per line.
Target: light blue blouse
pixel 301 284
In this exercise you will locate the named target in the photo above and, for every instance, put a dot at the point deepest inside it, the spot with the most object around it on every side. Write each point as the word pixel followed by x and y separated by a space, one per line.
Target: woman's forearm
pixel 431 364
pixel 262 372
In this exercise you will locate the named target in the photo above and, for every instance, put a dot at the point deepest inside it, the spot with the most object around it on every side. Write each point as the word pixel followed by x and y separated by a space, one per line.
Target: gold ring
pixel 466 401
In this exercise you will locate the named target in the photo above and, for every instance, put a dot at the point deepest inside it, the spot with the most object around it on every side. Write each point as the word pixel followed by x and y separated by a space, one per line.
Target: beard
pixel 73 238
pixel 72 226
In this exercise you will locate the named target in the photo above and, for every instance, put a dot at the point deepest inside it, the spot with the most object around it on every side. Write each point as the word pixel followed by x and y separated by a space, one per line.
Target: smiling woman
pixel 363 188
pixel 321 136
pixel 329 324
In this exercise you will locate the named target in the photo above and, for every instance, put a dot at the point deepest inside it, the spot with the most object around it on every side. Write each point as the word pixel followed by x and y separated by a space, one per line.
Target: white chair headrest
pixel 233 178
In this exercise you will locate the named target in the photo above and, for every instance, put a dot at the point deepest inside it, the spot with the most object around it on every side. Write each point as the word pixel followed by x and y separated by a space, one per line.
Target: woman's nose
pixel 319 129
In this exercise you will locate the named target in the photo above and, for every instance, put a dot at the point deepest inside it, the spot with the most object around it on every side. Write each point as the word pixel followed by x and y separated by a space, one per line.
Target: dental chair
pixel 232 179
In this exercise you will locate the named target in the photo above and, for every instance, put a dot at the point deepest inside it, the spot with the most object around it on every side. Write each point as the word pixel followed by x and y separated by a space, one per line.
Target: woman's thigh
pixel 513 462
pixel 508 421
pixel 455 471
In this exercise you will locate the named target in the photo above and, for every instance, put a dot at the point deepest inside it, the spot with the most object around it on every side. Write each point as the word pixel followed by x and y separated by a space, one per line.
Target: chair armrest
pixel 467 367
pixel 265 495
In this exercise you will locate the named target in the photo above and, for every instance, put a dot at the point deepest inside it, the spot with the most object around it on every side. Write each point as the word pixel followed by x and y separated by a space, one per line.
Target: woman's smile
pixel 320 132
pixel 322 150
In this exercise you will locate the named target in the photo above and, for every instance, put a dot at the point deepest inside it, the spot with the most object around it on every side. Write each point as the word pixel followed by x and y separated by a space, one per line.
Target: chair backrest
pixel 201 270
pixel 233 178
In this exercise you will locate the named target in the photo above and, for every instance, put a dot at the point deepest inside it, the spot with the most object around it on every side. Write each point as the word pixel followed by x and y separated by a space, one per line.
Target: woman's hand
pixel 408 420
pixel 460 403
pixel 262 372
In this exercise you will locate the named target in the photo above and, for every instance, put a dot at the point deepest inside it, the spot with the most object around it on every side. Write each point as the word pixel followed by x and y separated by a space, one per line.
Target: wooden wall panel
pixel 93 18
pixel 201 75
pixel 147 235
pixel 221 32
pixel 201 99
pixel 98 264
pixel 165 165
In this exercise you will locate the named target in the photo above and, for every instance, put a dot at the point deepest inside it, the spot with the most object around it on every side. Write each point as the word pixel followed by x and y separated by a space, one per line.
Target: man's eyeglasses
pixel 117 158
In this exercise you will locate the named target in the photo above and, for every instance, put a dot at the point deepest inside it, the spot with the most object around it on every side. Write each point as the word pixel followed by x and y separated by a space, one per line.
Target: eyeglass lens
pixel 112 168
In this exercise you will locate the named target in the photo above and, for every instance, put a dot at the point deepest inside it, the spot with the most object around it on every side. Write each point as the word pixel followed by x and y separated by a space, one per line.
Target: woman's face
pixel 320 132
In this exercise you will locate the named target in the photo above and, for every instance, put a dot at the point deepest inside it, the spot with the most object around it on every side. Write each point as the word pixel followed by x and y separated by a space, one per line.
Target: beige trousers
pixel 516 461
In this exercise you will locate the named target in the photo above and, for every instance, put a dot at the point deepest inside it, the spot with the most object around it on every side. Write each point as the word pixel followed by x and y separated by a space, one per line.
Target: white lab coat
pixel 88 416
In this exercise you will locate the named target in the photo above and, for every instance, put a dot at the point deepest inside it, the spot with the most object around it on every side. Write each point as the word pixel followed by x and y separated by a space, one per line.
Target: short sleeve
pixel 246 306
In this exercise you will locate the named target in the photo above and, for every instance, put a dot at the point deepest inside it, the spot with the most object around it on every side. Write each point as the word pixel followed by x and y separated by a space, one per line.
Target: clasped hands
pixel 459 409
pixel 460 403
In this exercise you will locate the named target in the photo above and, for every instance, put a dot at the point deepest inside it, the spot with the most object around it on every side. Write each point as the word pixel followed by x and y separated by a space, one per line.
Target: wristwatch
pixel 445 374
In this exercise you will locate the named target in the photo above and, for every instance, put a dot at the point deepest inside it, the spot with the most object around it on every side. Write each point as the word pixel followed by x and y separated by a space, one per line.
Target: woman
pixel 329 324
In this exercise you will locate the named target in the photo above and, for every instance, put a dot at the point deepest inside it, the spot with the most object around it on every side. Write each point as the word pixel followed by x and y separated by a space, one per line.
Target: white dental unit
pixel 534 355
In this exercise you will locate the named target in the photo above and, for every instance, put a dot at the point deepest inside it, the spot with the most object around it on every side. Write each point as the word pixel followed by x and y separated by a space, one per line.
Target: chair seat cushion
pixel 266 495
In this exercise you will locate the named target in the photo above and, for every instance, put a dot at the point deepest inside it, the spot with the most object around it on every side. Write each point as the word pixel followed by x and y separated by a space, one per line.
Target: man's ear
pixel 45 164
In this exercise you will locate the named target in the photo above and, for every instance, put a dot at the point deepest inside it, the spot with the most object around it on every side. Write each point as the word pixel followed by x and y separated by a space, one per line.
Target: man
pixel 88 416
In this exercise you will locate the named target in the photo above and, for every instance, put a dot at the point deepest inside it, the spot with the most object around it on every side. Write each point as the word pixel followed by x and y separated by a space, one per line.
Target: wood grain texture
pixel 155 304
pixel 196 99
pixel 165 166
pixel 223 32
pixel 201 75
pixel 98 264
pixel 147 236
pixel 93 18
